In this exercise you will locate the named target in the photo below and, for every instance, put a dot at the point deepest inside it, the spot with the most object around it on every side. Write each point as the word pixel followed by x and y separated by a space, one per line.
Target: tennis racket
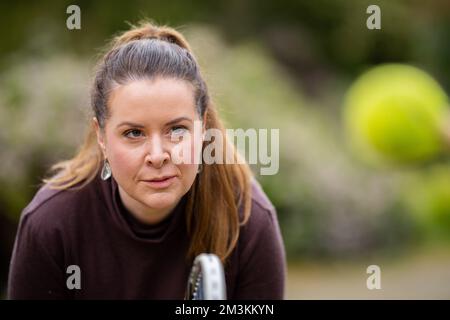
pixel 207 279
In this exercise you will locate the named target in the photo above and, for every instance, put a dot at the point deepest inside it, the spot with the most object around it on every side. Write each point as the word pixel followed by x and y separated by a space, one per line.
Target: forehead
pixel 150 100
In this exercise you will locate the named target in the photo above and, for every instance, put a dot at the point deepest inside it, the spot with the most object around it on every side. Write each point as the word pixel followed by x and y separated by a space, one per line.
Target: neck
pixel 142 212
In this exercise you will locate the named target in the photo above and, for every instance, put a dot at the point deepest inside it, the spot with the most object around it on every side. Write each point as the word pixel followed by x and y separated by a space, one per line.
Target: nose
pixel 156 155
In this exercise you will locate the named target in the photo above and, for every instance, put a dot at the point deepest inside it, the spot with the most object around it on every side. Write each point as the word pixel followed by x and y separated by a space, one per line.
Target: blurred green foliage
pixel 426 194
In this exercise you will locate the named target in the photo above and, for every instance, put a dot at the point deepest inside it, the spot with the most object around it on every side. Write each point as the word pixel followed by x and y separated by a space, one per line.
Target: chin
pixel 161 200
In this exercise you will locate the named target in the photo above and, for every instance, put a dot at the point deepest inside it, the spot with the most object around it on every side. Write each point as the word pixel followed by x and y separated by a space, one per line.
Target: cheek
pixel 188 174
pixel 187 151
pixel 189 168
pixel 123 161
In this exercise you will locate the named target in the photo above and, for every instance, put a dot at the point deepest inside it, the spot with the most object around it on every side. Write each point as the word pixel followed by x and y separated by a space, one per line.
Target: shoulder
pixel 260 255
pixel 262 209
pixel 260 200
pixel 263 220
pixel 50 208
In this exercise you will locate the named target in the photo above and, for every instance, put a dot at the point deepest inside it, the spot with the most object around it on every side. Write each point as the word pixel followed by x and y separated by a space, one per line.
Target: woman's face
pixel 145 116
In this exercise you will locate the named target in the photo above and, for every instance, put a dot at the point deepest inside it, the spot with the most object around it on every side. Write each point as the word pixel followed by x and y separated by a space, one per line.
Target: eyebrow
pixel 137 125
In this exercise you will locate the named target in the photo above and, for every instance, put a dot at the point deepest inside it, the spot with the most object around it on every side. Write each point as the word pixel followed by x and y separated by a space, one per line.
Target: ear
pixel 100 136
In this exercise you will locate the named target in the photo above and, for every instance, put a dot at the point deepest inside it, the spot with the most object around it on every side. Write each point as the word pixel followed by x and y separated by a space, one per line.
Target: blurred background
pixel 269 64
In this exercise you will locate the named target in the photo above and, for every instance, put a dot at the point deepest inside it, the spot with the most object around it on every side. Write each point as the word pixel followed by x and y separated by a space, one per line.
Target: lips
pixel 159 179
pixel 160 182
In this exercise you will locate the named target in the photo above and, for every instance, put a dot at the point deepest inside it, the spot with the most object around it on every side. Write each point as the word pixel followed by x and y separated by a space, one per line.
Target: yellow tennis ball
pixel 395 113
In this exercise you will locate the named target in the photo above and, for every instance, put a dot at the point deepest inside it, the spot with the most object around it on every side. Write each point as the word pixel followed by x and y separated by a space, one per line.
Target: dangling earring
pixel 106 170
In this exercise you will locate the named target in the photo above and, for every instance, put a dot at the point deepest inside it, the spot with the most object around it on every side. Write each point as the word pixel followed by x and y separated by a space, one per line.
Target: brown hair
pixel 220 191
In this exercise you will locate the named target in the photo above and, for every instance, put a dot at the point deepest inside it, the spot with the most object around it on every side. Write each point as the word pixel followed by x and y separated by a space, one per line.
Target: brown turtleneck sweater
pixel 121 258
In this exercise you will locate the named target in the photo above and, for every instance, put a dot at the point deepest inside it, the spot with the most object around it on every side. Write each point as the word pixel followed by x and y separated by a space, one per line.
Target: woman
pixel 126 217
